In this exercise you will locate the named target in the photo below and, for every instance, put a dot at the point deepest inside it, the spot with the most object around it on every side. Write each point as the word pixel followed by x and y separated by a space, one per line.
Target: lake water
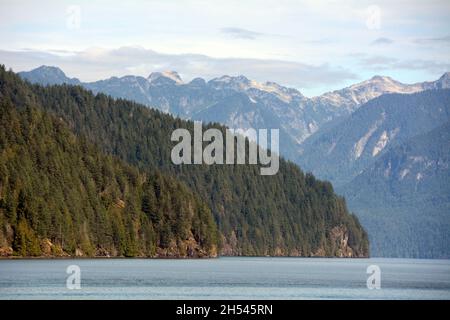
pixel 225 278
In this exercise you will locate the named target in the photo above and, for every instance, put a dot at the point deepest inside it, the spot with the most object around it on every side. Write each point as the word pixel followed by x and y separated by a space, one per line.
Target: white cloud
pixel 382 41
pixel 434 40
pixel 296 36
pixel 241 33
pixel 382 63
pixel 97 63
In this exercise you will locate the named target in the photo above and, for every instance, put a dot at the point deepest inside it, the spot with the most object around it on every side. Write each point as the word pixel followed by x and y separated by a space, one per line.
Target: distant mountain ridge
pixel 341 152
pixel 48 75
pixel 261 105
pixel 362 92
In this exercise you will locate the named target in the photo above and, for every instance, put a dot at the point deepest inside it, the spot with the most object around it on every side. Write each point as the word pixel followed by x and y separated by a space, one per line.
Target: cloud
pixel 381 63
pixel 382 41
pixel 437 40
pixel 98 63
pixel 239 33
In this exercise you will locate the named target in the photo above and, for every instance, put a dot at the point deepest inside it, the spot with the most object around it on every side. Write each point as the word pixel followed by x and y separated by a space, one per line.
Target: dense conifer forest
pixel 91 175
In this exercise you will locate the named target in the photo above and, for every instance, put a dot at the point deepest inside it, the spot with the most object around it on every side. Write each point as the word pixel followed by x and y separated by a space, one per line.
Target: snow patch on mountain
pixel 403 173
pixel 254 88
pixel 381 143
pixel 274 88
pixel 333 145
pixel 172 75
pixel 359 93
pixel 361 143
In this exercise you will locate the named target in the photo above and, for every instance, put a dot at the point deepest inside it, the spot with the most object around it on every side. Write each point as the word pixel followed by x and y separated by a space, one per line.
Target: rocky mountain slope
pixel 403 198
pixel 342 151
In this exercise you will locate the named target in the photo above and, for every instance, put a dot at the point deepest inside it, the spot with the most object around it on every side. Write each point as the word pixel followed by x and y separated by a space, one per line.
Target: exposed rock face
pixel 339 237
pixel 229 245
pixel 6 251
pixel 46 247
pixel 186 249
pixel 189 248
pixel 6 236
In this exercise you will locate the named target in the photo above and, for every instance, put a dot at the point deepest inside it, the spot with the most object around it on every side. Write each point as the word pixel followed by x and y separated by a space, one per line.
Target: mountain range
pixel 340 136
pixel 255 105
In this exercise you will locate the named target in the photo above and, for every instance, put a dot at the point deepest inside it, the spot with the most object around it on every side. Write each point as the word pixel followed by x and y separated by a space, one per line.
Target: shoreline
pixel 179 258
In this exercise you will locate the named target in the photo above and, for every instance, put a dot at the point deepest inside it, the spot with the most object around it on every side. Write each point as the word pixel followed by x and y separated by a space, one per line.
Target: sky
pixel 314 46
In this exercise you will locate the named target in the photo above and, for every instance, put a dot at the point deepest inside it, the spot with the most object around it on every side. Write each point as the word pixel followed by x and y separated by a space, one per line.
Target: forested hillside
pixel 393 169
pixel 60 196
pixel 404 198
pixel 287 214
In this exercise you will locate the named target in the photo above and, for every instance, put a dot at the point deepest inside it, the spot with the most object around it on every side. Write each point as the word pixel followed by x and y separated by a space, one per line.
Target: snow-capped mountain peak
pixel 236 83
pixel 171 75
pixel 359 93
pixel 254 88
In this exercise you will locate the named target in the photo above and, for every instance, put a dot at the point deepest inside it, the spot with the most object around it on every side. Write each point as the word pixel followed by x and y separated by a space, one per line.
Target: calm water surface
pixel 225 278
